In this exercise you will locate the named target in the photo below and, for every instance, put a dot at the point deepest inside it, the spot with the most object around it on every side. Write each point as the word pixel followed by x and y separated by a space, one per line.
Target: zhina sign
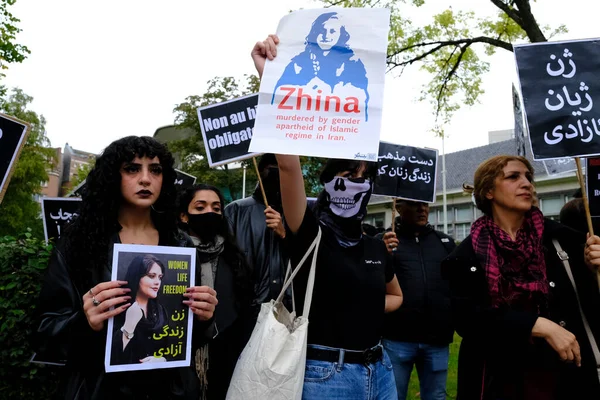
pixel 322 95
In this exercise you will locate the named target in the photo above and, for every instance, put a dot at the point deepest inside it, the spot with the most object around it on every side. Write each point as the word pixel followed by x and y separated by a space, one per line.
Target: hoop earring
pixel 155 210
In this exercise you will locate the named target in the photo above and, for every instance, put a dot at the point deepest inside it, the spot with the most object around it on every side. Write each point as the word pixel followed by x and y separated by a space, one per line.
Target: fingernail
pixel 188 302
pixel 126 290
pixel 187 294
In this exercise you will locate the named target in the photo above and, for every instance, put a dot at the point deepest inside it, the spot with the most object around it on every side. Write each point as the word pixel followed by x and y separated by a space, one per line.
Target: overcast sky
pixel 100 70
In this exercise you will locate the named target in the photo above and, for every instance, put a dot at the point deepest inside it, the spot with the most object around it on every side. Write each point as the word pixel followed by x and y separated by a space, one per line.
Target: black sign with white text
pixel 58 212
pixel 227 129
pixel 561 94
pixel 183 180
pixel 406 172
pixel 13 135
pixel 592 177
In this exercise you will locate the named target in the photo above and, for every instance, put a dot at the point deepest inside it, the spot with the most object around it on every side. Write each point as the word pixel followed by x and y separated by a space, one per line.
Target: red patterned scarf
pixel 515 270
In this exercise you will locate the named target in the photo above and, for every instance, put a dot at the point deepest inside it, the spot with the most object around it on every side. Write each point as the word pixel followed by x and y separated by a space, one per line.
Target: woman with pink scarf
pixel 513 302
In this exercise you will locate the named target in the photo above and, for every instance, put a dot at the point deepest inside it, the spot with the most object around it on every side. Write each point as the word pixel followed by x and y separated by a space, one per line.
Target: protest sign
pixel 227 128
pixel 406 172
pixel 560 94
pixel 156 330
pixel 322 95
pixel 57 213
pixel 592 177
pixel 183 180
pixel 13 135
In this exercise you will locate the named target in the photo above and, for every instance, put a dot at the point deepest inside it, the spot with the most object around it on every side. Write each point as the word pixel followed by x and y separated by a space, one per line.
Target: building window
pixel 464 213
pixel 461 231
pixel 551 205
pixel 377 220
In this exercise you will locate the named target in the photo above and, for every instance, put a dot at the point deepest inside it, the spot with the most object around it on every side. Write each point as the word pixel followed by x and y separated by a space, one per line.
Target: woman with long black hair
pixel 129 198
pixel 222 266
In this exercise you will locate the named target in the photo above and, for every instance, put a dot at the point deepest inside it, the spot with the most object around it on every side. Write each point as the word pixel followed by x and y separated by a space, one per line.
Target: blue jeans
pixel 432 367
pixel 335 380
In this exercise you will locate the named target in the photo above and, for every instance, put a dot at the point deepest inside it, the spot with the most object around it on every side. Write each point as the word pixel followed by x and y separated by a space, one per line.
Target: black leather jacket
pixel 63 333
pixel 425 315
pixel 264 250
pixel 497 346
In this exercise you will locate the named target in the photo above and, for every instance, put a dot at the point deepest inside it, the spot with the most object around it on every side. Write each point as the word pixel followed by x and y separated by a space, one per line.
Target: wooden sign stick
pixel 394 214
pixel 586 205
pixel 262 188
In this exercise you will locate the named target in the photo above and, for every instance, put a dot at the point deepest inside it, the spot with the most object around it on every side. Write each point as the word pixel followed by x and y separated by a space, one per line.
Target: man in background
pixel 419 333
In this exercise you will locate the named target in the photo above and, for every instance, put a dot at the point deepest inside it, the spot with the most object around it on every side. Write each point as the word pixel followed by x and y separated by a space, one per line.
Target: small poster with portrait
pixel 156 330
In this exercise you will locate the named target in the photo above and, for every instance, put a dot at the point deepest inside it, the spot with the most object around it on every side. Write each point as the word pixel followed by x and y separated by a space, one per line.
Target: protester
pixel 354 282
pixel 129 198
pixel 222 266
pixel 419 333
pixel 513 303
pixel 259 232
pixel 573 215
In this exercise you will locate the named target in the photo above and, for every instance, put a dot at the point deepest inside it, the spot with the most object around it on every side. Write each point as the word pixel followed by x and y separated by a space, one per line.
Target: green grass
pixel 413 387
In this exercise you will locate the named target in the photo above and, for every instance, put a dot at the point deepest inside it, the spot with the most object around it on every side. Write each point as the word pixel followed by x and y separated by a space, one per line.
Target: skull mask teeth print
pixel 346 195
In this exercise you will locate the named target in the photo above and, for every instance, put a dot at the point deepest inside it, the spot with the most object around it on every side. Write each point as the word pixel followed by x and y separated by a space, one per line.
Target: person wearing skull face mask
pixel 222 266
pixel 259 232
pixel 355 284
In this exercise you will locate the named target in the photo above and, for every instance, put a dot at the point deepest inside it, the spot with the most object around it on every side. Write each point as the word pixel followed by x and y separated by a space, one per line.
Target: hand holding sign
pixel 264 50
pixel 274 222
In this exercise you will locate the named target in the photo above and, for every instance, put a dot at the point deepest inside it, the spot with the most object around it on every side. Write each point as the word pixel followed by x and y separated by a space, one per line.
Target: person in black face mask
pixel 259 232
pixel 222 266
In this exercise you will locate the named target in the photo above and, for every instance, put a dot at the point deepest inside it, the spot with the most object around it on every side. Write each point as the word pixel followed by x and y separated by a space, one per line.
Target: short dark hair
pixel 572 214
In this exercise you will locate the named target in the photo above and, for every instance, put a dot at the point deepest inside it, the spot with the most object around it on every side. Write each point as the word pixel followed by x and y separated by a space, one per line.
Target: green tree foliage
pixel 82 173
pixel 191 151
pixel 10 51
pixel 19 210
pixel 23 261
pixel 451 47
pixel 193 154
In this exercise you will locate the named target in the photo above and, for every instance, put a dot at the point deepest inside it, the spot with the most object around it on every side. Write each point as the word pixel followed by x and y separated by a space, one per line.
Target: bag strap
pixel 564 257
pixel 287 275
pixel 311 275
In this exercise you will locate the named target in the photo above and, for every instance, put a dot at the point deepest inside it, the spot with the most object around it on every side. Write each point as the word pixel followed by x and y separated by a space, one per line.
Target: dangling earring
pixel 155 210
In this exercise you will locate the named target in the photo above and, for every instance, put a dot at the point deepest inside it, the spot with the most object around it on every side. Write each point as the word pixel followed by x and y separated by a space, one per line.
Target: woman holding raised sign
pixel 129 198
pixel 354 284
pixel 514 304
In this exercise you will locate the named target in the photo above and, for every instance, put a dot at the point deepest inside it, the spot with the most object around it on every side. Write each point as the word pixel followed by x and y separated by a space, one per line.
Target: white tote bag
pixel 271 367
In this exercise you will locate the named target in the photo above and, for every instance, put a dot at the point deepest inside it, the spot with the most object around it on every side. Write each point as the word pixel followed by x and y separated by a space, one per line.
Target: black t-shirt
pixel 348 302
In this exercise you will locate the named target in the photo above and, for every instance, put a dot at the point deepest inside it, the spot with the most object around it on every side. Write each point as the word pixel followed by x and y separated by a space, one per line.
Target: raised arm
pixel 293 196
